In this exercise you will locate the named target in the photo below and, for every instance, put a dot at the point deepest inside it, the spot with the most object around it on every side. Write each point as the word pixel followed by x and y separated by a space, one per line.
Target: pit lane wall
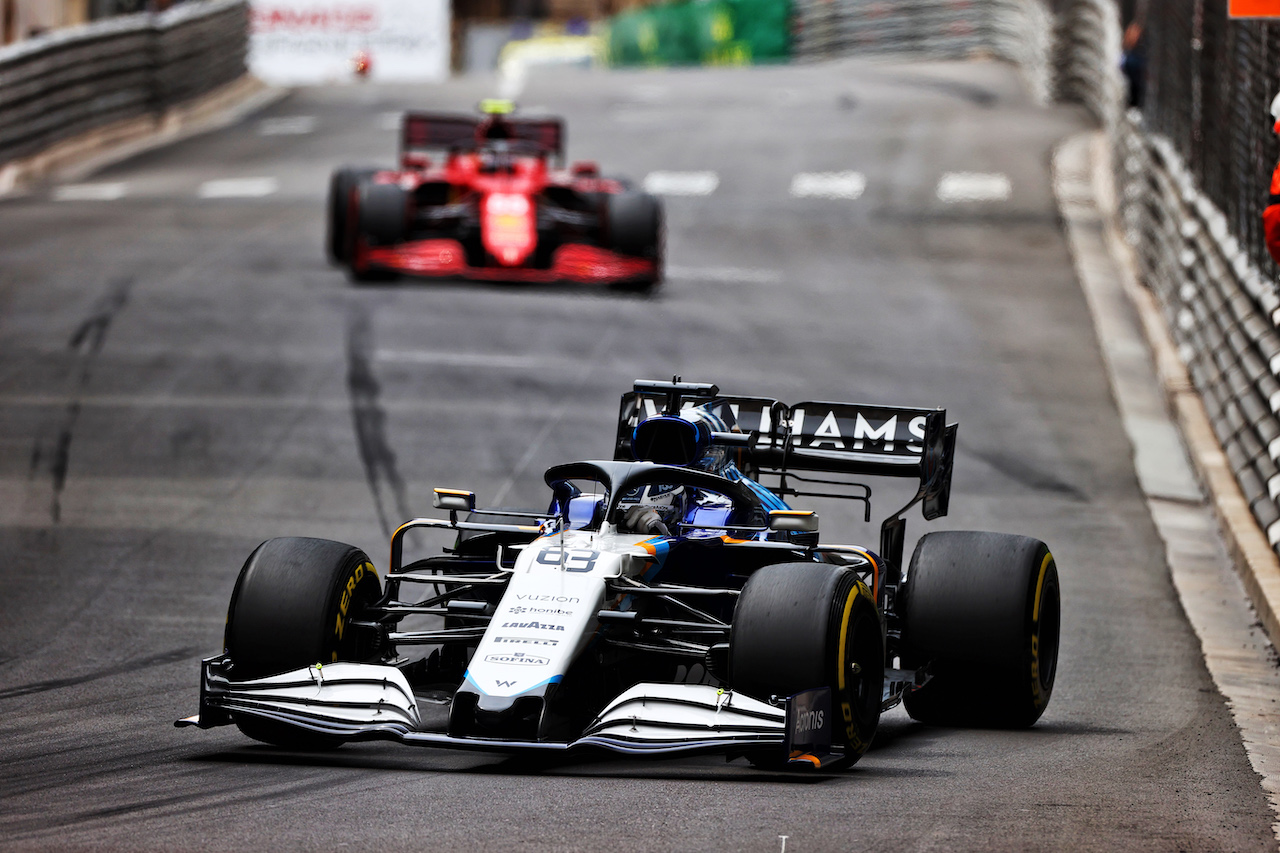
pixel 72 81
pixel 1201 142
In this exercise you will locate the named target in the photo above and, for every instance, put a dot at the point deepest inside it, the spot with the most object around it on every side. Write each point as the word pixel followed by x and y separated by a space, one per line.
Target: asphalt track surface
pixel 182 377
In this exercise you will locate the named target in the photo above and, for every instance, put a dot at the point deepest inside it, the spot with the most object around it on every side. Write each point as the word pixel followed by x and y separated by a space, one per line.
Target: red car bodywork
pixel 502 184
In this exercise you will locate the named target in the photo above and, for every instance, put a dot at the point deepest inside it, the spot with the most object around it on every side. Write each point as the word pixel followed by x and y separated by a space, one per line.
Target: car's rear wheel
pixel 983 611
pixel 341 185
pixel 292 607
pixel 799 626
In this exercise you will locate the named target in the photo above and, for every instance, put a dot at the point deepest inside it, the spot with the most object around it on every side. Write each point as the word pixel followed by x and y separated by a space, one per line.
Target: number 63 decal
pixel 575 560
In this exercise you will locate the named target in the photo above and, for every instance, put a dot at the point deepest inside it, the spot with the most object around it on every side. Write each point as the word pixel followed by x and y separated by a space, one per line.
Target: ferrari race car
pixel 666 602
pixel 490 199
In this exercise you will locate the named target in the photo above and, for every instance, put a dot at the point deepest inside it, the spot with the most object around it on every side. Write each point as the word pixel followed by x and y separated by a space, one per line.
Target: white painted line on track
pixel 974 186
pixel 845 185
pixel 239 188
pixel 681 183
pixel 90 192
pixel 287 126
pixel 725 275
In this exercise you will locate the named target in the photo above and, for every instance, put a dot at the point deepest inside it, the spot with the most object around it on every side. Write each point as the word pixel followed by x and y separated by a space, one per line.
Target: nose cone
pixel 508 717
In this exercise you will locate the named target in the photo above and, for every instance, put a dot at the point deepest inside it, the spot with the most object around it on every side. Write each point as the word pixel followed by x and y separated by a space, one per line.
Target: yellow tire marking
pixel 1044 568
pixel 844 630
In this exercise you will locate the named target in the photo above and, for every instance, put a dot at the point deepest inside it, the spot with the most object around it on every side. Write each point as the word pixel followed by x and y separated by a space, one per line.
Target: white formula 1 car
pixel 666 602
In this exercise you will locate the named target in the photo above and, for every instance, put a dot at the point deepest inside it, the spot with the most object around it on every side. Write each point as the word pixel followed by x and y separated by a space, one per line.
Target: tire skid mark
pixel 86 343
pixel 1026 474
pixel 121 668
pixel 370 420
pixel 178 805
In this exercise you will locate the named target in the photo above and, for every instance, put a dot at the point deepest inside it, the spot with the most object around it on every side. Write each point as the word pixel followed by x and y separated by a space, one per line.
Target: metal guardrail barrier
pixel 1209 86
pixel 1069 49
pixel 1086 58
pixel 1219 305
pixel 58 85
pixel 1193 170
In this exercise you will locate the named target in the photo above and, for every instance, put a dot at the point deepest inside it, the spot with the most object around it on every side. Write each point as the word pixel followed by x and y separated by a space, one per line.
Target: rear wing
pixel 420 132
pixel 845 438
pixel 840 438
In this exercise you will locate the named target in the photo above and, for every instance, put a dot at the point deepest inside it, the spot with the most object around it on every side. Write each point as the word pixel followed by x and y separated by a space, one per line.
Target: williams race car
pixel 666 602
pixel 490 199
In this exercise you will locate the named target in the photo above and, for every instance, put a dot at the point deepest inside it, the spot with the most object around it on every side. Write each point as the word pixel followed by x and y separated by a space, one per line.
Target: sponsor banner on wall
pixel 299 42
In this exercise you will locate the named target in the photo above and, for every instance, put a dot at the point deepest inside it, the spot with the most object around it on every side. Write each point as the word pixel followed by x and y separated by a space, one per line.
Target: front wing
pixel 373 702
pixel 446 258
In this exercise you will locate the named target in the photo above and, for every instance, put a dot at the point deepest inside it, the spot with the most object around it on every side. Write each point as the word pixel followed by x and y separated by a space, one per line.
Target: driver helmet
pixel 669 501
pixel 495 124
pixel 717 417
pixel 659 495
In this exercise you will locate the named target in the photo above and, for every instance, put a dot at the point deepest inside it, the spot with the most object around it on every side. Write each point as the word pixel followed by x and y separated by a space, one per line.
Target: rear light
pixel 508 227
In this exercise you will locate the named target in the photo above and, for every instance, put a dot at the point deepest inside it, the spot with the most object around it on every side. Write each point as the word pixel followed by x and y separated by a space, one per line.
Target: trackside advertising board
pixel 301 42
pixel 1254 8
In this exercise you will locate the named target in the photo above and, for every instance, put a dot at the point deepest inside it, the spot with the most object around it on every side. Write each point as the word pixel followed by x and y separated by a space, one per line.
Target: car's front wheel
pixel 292 607
pixel 342 184
pixel 634 223
pixel 799 626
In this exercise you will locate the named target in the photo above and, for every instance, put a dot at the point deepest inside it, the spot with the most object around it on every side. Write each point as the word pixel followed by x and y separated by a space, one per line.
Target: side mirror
pixel 793 520
pixel 454 500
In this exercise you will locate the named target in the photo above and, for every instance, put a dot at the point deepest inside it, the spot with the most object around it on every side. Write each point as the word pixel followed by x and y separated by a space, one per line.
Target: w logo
pixel 506 684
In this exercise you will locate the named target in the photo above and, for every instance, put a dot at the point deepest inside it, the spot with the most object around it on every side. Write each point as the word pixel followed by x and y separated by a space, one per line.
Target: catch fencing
pixel 59 85
pixel 1209 88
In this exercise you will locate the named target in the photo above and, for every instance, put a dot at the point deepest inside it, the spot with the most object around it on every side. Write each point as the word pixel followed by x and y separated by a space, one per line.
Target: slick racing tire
pixel 635 228
pixel 383 213
pixel 799 626
pixel 291 608
pixel 341 185
pixel 983 610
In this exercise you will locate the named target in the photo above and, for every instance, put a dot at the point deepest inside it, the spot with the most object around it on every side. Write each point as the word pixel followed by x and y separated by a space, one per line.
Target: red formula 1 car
pixel 489 198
